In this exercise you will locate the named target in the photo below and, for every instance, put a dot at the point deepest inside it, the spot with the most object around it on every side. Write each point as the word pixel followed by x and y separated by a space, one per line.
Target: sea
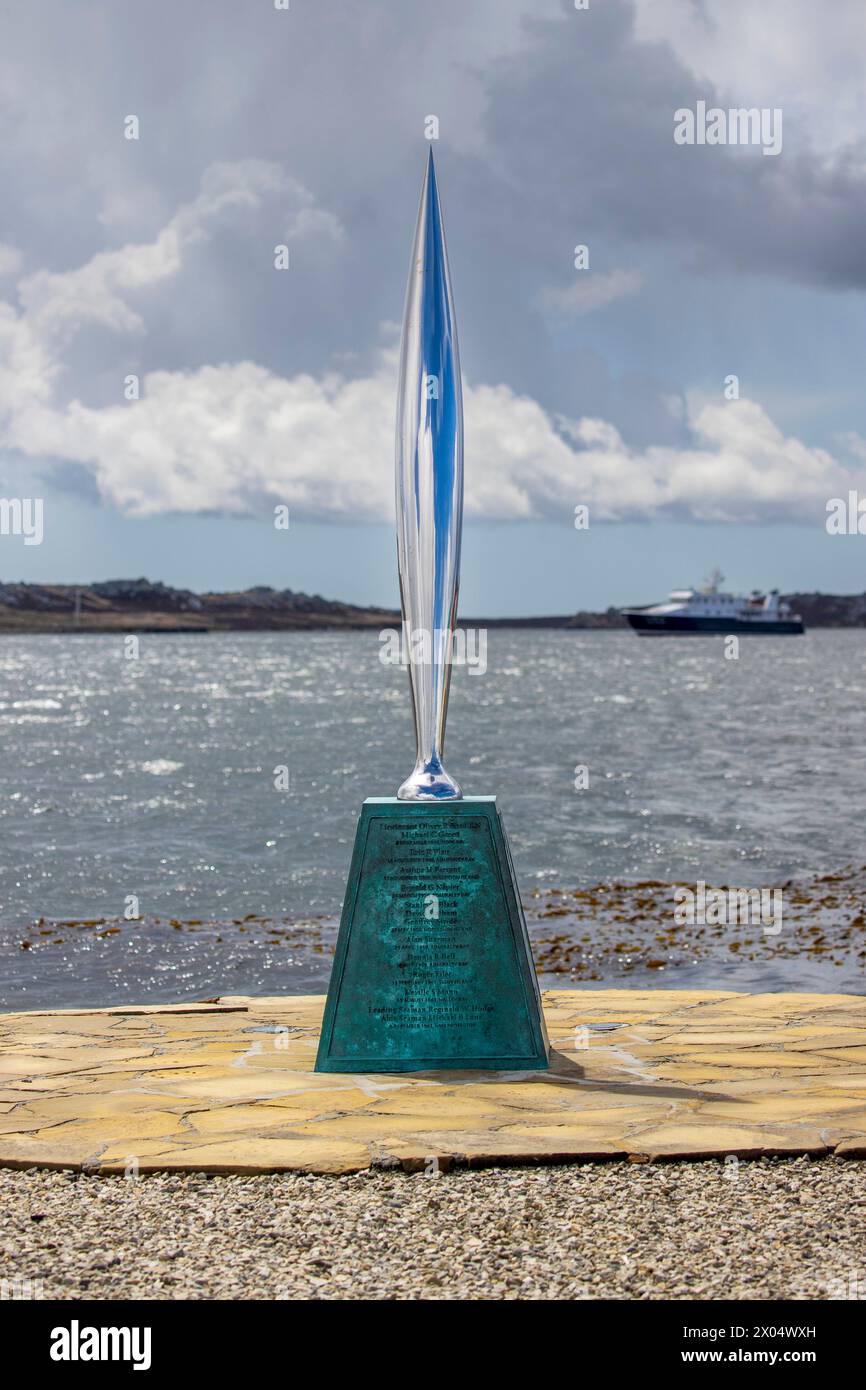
pixel 177 812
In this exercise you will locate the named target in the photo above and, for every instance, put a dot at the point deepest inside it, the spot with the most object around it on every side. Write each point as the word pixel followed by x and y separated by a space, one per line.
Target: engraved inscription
pixel 434 871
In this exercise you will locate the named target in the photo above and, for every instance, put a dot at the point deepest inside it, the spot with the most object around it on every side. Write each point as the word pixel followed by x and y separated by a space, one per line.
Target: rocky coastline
pixel 140 605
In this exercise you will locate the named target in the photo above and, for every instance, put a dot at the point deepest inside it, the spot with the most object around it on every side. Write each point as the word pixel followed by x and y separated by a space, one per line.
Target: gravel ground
pixel 760 1230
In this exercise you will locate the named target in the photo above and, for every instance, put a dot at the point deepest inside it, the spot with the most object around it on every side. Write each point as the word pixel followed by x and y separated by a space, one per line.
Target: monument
pixel 433 968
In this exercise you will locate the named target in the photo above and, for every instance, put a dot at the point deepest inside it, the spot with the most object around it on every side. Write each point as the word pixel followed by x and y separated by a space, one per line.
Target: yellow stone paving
pixel 229 1087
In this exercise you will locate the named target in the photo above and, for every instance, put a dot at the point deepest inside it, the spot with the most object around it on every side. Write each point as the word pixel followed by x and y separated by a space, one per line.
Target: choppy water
pixel 155 778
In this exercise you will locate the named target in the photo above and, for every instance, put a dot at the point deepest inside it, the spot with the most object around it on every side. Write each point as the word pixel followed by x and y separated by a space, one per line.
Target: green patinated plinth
pixel 433 968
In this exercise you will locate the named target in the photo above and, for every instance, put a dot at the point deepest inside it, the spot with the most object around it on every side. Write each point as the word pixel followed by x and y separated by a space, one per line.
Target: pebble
pixel 784 1228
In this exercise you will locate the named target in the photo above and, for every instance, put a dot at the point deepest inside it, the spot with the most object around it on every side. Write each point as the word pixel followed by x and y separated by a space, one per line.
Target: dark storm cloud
pixel 573 117
pixel 582 121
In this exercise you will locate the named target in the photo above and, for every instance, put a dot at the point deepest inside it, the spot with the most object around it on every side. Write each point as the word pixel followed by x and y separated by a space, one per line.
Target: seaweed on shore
pixel 615 928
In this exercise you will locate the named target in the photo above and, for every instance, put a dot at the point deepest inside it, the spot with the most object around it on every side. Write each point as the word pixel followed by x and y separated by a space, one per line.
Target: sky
pixel 164 385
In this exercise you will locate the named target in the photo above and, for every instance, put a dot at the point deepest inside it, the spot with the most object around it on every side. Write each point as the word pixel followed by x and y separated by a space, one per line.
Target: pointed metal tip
pixel 431 182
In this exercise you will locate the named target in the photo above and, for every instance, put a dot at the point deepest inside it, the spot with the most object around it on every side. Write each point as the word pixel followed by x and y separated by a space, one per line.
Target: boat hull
pixel 671 625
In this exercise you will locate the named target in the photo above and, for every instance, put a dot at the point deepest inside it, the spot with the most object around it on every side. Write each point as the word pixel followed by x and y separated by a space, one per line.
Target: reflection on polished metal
pixel 429 475
pixel 433 967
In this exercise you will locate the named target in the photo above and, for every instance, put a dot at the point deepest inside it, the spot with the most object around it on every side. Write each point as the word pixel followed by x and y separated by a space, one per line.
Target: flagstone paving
pixel 228 1087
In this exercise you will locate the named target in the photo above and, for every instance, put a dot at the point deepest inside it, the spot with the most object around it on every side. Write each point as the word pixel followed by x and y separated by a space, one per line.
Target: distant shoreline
pixel 137 605
pixel 158 623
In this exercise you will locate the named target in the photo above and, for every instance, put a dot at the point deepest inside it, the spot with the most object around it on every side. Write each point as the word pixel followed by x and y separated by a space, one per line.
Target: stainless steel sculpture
pixel 429 469
pixel 407 993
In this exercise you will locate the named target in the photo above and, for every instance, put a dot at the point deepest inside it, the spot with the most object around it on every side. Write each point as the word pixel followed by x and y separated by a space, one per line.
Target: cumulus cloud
pixel 109 290
pixel 556 127
pixel 59 304
pixel 235 438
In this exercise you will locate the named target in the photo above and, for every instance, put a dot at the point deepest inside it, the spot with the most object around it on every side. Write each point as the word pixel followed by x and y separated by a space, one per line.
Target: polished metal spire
pixel 429 474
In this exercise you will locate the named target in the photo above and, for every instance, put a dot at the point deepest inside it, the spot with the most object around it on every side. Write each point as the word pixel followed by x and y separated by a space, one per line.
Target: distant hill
pixel 137 605
pixel 830 610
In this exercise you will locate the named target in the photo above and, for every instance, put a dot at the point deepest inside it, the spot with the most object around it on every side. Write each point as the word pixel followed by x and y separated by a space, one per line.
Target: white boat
pixel 692 612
